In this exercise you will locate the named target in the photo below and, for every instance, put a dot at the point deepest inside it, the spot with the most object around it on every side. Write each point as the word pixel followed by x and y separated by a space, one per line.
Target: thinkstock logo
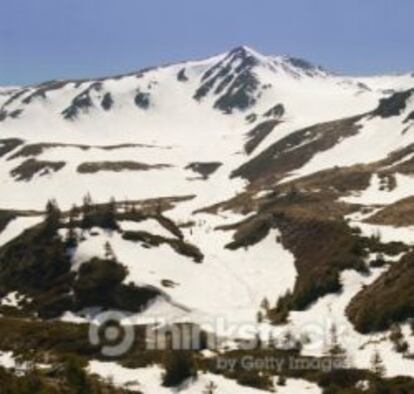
pixel 113 332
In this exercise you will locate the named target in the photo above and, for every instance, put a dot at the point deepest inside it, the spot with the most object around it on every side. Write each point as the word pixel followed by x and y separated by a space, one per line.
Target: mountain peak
pixel 291 64
pixel 244 52
pixel 243 49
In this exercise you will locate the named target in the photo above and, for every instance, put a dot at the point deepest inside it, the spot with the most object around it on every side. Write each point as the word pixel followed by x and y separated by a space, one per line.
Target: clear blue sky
pixel 47 39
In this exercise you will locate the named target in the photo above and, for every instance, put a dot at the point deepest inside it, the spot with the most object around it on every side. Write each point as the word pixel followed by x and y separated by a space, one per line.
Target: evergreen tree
pixel 53 218
pixel 87 212
pixel 109 252
pixel 273 342
pixel 258 341
pixel 179 366
pixel 259 317
pixel 288 340
pixel 76 376
pixel 280 313
pixel 210 388
pixel 109 216
pixel 265 305
pixel 87 200
pixel 281 380
pixel 71 236
pixel 335 350
pixel 377 365
pixel 400 345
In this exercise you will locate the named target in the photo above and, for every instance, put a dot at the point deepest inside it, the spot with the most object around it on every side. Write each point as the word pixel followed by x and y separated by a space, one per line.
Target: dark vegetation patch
pixel 107 101
pixel 36 260
pixel 37 149
pixel 249 232
pixel 276 111
pixel 327 248
pixel 389 299
pixel 394 105
pixel 66 377
pixel 251 118
pixel 338 380
pixel 179 366
pixel 233 79
pixel 142 100
pixel 149 207
pixel 3 115
pixel 322 243
pixel 309 68
pixel 9 144
pixel 340 180
pixel 156 213
pixel 258 134
pixel 42 90
pixel 224 83
pixel 38 264
pixel 181 76
pixel 118 166
pixel 81 103
pixel 13 114
pixel 99 282
pixel 170 226
pixel 126 146
pixel 305 204
pixel 409 118
pixel 151 240
pixel 61 342
pixel 205 169
pixel 400 213
pixel 22 335
pixel 315 195
pixel 399 161
pixel 296 149
pixel 14 97
pixel 240 94
pixel 322 249
pixel 69 361
pixel 31 167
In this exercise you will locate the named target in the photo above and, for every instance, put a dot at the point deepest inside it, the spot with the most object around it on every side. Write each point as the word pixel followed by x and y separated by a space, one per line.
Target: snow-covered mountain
pixel 203 111
pixel 250 174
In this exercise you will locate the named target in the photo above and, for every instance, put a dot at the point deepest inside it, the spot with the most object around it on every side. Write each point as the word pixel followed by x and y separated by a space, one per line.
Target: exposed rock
pixel 142 100
pixel 107 102
pixel 394 105
pixel 8 145
pixel 117 166
pixel 205 169
pixel 31 167
pixel 275 112
pixel 181 76
pixel 258 134
pixel 295 150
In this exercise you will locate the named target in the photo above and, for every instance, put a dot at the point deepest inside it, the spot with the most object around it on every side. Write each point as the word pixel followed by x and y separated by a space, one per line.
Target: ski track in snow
pixel 228 284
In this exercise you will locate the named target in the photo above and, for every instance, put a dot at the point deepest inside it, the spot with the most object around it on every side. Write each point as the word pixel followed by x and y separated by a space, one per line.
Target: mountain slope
pixel 237 179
